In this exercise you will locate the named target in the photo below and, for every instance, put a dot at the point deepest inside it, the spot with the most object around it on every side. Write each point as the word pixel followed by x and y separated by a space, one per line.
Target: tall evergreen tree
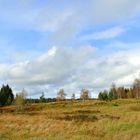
pixel 103 95
pixel 42 98
pixel 110 95
pixel 73 96
pixel 6 95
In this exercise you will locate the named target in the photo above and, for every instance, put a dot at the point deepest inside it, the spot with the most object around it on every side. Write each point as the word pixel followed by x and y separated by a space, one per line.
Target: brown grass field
pixel 73 120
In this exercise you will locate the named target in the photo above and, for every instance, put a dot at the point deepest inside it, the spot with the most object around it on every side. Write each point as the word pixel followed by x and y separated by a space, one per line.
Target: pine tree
pixel 6 95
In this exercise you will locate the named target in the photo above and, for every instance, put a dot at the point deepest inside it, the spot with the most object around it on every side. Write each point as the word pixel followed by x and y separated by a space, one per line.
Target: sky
pixel 71 44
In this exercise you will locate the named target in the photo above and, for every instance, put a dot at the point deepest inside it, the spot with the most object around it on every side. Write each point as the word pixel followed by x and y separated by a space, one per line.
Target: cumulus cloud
pixel 50 68
pixel 73 69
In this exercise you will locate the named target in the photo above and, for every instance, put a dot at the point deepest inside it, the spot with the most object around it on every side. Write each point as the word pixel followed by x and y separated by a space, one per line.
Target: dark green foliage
pixel 100 96
pixel 6 95
pixel 115 104
pixel 42 98
pixel 103 95
pixel 110 95
pixel 73 96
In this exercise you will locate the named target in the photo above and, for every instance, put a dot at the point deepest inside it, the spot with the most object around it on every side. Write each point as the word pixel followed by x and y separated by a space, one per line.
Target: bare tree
pixel 113 90
pixel 85 94
pixel 61 95
pixel 136 88
pixel 130 93
pixel 121 92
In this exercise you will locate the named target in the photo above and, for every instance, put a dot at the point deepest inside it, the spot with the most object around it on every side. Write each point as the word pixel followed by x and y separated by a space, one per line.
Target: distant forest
pixel 7 96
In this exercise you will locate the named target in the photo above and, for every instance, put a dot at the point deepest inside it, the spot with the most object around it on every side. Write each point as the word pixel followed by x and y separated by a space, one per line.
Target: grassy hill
pixel 72 120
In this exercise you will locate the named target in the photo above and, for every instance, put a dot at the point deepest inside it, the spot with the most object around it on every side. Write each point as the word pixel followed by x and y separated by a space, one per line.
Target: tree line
pixel 7 96
pixel 121 92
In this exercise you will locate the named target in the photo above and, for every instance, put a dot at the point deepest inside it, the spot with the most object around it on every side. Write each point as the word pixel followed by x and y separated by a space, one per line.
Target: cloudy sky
pixel 72 44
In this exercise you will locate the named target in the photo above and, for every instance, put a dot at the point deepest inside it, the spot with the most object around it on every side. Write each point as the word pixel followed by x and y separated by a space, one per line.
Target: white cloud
pixel 106 34
pixel 50 68
pixel 63 25
pixel 73 69
pixel 52 19
pixel 113 10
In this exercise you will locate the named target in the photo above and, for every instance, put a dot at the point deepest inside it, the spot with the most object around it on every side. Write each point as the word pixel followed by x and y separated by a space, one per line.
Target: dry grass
pixel 77 120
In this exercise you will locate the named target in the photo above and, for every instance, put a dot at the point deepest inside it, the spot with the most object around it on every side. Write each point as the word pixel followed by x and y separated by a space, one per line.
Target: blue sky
pixel 47 45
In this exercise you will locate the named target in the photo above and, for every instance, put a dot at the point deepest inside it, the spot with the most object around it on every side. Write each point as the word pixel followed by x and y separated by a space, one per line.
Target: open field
pixel 77 120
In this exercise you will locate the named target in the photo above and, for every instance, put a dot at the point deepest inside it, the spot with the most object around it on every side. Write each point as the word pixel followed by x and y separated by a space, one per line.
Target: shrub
pixel 20 100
